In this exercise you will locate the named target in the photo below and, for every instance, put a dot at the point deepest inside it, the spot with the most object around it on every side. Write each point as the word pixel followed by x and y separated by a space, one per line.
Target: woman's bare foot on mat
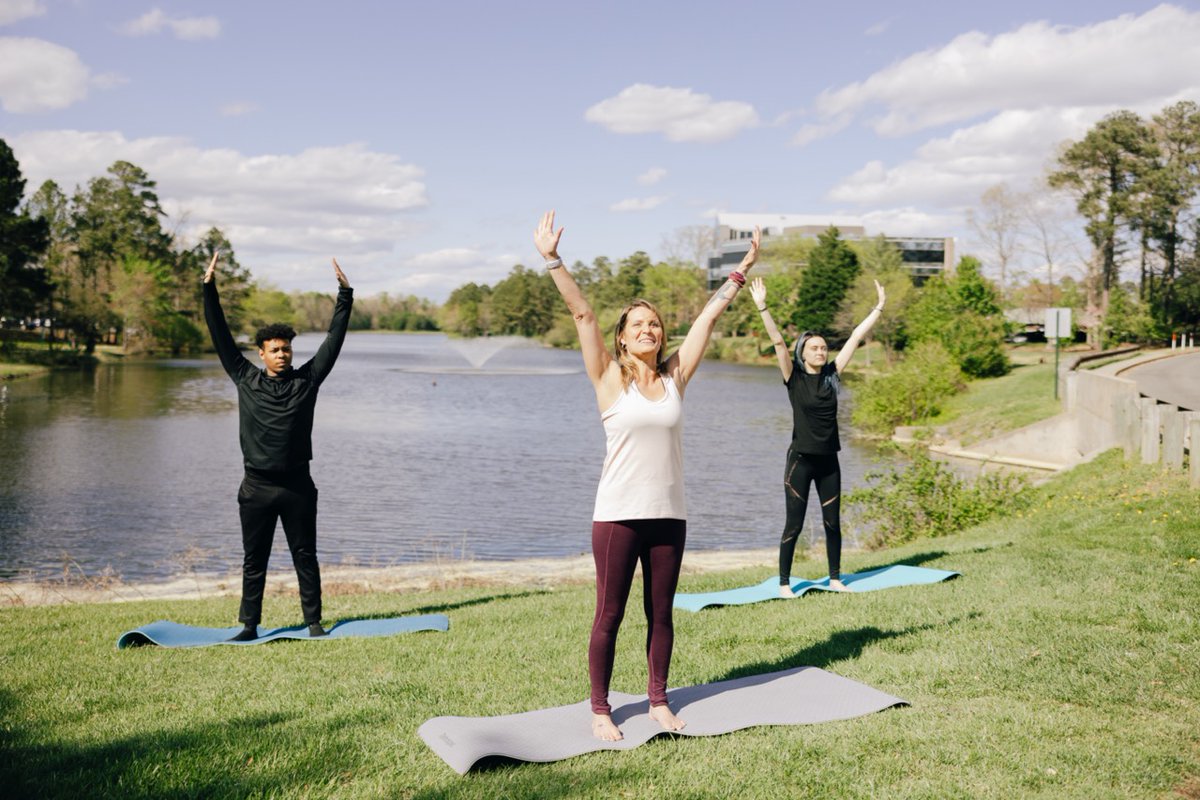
pixel 786 591
pixel 838 586
pixel 605 729
pixel 664 716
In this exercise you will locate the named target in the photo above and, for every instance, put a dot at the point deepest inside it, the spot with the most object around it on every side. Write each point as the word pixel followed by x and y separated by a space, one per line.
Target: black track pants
pixel 264 498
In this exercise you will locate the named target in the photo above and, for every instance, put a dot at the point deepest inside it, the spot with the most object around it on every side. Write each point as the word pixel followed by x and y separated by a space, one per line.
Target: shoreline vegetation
pixel 1064 663
pixel 340 580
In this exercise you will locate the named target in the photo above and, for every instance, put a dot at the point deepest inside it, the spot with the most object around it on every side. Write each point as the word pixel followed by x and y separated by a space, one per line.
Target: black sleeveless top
pixel 814 409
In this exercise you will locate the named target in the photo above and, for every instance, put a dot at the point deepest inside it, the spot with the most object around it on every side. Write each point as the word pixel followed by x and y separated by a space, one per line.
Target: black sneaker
pixel 247 634
pixel 315 629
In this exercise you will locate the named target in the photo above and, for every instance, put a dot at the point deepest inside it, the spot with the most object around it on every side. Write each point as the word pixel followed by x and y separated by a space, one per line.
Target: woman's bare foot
pixel 786 590
pixel 605 729
pixel 838 586
pixel 665 717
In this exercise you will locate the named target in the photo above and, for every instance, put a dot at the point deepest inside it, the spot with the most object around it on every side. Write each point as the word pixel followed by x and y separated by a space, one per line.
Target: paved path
pixel 1174 380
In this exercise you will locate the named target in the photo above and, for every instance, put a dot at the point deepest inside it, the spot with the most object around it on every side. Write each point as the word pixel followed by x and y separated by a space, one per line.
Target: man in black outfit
pixel 275 411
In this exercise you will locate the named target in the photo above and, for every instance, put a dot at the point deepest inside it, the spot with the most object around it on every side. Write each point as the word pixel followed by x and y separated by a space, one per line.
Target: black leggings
pixel 826 473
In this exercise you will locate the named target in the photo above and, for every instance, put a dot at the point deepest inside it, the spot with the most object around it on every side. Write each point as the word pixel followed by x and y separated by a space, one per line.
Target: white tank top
pixel 643 468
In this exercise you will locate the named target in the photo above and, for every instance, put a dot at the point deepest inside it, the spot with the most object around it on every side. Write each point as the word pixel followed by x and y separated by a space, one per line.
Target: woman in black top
pixel 812 384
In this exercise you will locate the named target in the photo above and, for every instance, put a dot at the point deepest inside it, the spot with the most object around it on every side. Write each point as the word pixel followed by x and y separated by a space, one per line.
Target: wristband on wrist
pixel 738 278
pixel 878 308
pixel 554 263
pixel 762 308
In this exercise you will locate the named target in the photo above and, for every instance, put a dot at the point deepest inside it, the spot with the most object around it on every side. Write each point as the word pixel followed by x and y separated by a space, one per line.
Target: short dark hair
pixel 275 330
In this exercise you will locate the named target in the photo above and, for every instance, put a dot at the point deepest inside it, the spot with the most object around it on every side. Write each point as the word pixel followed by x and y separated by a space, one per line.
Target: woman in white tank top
pixel 640 513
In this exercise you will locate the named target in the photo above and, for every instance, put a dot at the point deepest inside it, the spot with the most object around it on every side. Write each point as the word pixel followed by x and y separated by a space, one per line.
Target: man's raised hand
pixel 341 276
pixel 212 267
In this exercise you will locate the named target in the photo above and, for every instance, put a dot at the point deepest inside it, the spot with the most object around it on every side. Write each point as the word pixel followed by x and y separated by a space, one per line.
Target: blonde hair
pixel 626 361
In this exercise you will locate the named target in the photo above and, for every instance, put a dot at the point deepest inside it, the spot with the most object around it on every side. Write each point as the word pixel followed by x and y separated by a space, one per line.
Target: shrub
pixel 913 390
pixel 925 499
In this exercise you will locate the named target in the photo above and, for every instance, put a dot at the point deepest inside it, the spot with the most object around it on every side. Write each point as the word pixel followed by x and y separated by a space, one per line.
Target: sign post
pixel 1058 327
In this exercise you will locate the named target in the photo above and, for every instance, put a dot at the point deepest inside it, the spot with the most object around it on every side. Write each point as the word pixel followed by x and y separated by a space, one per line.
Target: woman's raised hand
pixel 751 256
pixel 758 290
pixel 546 238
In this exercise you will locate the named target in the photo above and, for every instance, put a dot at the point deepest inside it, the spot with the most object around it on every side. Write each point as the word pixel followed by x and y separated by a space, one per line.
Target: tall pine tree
pixel 832 268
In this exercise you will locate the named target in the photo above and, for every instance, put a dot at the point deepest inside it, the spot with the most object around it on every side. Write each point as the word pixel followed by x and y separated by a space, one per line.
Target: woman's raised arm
pixel 847 352
pixel 758 290
pixel 682 365
pixel 591 341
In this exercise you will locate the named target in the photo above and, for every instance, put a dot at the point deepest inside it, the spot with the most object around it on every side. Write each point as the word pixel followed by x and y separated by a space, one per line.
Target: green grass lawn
pixel 992 406
pixel 1065 663
pixel 8 370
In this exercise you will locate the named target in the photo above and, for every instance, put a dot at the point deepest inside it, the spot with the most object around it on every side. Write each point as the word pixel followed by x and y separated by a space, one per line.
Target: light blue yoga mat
pixel 171 634
pixel 882 578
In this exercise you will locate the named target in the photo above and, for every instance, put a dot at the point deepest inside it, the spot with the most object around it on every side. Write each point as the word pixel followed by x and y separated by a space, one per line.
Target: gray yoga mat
pixel 799 696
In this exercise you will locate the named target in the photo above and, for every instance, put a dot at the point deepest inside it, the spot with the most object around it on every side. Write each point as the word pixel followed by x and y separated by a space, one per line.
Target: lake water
pixel 418 456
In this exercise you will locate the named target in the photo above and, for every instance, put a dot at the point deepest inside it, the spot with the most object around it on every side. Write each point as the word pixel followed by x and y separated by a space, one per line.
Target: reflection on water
pixel 417 456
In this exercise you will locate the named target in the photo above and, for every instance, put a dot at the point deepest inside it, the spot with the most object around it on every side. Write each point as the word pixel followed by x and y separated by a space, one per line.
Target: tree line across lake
pixel 100 265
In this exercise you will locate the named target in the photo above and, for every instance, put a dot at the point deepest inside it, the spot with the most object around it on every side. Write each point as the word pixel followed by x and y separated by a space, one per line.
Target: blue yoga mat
pixel 882 578
pixel 171 634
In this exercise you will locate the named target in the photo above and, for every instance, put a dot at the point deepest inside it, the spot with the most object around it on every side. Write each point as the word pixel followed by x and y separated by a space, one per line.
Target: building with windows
pixel 924 256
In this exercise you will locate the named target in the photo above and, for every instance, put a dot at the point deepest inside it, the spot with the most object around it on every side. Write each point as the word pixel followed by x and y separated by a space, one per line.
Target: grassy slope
pixel 994 405
pixel 1064 663
pixel 8 370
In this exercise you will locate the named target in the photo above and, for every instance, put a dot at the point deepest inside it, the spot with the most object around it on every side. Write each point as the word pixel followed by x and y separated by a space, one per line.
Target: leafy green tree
pixel 973 291
pixel 266 305
pixel 1127 319
pixel 831 271
pixel 916 388
pixel 524 303
pixel 311 311
pixel 962 313
pixel 233 279
pixel 466 312
pixel 24 286
pixel 679 292
pixel 116 220
pixel 881 261
pixel 1102 170
pixel 626 283
pixel 1168 190
pixel 59 259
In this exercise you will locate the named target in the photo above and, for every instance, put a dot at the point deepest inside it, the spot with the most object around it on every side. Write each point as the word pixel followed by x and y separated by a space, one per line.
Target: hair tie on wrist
pixel 738 278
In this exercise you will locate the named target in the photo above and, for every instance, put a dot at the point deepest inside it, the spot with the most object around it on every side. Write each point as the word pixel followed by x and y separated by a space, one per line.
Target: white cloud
pixel 109 80
pixel 238 109
pixel 284 213
pixel 652 176
pixel 16 10
pixel 680 115
pixel 155 20
pixel 36 76
pixel 637 204
pixel 814 131
pixel 910 221
pixel 1012 147
pixel 1129 59
pixel 437 273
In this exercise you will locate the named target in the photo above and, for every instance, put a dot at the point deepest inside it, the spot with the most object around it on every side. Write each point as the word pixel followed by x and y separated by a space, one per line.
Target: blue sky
pixel 419 141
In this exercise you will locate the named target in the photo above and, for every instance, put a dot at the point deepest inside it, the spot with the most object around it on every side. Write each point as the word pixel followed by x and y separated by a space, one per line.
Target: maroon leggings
pixel 617 548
